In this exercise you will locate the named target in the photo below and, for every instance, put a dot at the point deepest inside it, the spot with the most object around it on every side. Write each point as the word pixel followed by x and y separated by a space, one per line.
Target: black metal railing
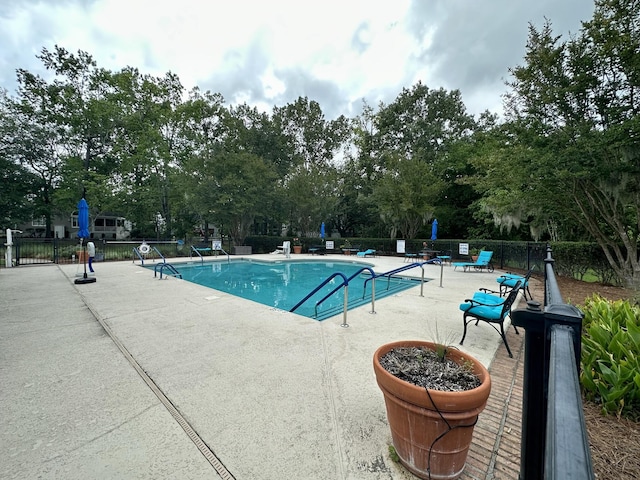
pixel 554 441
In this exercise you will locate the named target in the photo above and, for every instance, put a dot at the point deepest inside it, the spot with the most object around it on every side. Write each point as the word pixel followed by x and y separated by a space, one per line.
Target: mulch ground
pixel 615 443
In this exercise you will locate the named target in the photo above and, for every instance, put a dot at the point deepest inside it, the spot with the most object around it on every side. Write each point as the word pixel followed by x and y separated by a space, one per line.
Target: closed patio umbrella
pixel 83 234
pixel 322 233
pixel 434 229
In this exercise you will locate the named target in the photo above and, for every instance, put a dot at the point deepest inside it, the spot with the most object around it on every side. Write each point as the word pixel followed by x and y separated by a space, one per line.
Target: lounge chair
pixel 508 281
pixel 492 310
pixel 483 261
pixel 367 253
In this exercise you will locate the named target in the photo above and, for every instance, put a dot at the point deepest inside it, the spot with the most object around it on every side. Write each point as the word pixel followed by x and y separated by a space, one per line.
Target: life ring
pixel 144 248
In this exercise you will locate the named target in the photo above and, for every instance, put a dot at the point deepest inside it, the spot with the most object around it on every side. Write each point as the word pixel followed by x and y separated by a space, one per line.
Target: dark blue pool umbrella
pixel 83 234
pixel 434 229
pixel 322 231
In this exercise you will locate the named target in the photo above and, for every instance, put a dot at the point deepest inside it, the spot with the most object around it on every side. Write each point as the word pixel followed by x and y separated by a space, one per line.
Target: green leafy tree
pixel 406 194
pixel 244 190
pixel 18 184
pixel 410 143
pixel 572 141
pixel 311 182
pixel 149 147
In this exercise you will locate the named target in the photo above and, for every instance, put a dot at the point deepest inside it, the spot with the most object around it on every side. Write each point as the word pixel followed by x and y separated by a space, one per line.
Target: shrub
pixel 611 355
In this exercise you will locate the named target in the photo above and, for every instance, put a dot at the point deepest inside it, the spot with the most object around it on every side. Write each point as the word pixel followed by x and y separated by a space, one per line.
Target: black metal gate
pixel 42 251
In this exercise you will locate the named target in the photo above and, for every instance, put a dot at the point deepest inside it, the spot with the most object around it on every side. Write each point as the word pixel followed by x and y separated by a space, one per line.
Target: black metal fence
pixel 554 442
pixel 32 251
pixel 571 259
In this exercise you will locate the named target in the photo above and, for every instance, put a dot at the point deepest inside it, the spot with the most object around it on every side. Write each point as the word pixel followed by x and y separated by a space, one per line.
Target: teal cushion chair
pixel 508 281
pixel 491 309
pixel 483 261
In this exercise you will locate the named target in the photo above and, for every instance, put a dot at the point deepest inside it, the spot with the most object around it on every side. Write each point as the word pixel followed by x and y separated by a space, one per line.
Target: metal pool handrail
pixel 197 250
pixel 194 249
pixel 402 269
pixel 137 252
pixel 159 254
pixel 344 283
pixel 169 267
pixel 348 280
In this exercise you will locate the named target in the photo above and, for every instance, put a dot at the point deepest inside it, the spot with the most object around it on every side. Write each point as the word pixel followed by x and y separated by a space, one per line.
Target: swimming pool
pixel 282 284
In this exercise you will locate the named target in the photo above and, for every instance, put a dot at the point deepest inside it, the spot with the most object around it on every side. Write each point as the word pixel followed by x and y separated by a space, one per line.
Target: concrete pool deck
pixel 134 377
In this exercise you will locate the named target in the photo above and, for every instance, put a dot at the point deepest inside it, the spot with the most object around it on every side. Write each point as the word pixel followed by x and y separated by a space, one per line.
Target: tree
pixel 411 142
pixel 572 140
pixel 243 190
pixel 311 181
pixel 405 195
pixel 19 185
pixel 149 147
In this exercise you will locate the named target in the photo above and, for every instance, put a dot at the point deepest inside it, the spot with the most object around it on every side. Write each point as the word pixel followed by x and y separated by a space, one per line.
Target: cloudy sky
pixel 270 52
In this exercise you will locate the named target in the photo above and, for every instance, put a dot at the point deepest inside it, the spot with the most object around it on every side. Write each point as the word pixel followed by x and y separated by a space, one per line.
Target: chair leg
pixel 464 333
pixel 526 290
pixel 504 339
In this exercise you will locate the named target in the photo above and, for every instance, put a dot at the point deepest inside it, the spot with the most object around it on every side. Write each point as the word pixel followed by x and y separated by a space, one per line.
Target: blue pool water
pixel 283 284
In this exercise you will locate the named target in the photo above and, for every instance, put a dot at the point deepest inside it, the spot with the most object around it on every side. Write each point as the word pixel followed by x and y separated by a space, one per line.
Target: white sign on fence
pixel 463 249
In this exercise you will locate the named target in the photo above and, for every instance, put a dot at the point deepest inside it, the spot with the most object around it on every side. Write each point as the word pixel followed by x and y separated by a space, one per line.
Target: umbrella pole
pixel 85 278
pixel 84 257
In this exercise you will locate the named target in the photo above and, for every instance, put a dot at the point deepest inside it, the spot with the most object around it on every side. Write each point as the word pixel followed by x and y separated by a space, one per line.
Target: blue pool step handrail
pixel 159 254
pixel 390 273
pixel 374 276
pixel 347 285
pixel 208 249
pixel 137 251
pixel 168 266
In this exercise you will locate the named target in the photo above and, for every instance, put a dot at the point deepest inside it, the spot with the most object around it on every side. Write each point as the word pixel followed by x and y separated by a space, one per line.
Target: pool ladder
pixel 161 266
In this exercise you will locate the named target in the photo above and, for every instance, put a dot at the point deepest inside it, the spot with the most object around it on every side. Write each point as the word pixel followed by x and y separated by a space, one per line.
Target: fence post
pixel 534 394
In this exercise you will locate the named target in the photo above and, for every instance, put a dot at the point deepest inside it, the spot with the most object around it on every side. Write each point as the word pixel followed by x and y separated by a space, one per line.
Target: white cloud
pixel 266 52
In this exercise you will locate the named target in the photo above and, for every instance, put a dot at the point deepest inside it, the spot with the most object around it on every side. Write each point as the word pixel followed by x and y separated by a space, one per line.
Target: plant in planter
pixel 474 252
pixel 346 247
pixel 433 396
pixel 297 245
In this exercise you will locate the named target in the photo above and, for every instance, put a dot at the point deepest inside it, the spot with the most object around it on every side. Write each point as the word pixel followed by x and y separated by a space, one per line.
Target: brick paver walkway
pixel 495 451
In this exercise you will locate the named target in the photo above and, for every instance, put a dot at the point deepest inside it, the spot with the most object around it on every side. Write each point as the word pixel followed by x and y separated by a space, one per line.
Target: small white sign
pixel 329 245
pixel 463 249
pixel 216 245
pixel 400 246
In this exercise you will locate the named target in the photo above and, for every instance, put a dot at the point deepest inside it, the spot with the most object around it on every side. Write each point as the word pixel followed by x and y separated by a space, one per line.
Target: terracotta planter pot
pixel 422 439
pixel 297 249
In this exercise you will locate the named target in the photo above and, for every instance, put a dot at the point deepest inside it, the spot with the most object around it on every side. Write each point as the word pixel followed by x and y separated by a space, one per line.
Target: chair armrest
pixel 475 303
pixel 488 290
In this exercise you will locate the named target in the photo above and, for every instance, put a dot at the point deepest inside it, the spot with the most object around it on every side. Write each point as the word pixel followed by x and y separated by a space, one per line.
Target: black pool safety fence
pixel 31 251
pixel 554 443
pixel 571 259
